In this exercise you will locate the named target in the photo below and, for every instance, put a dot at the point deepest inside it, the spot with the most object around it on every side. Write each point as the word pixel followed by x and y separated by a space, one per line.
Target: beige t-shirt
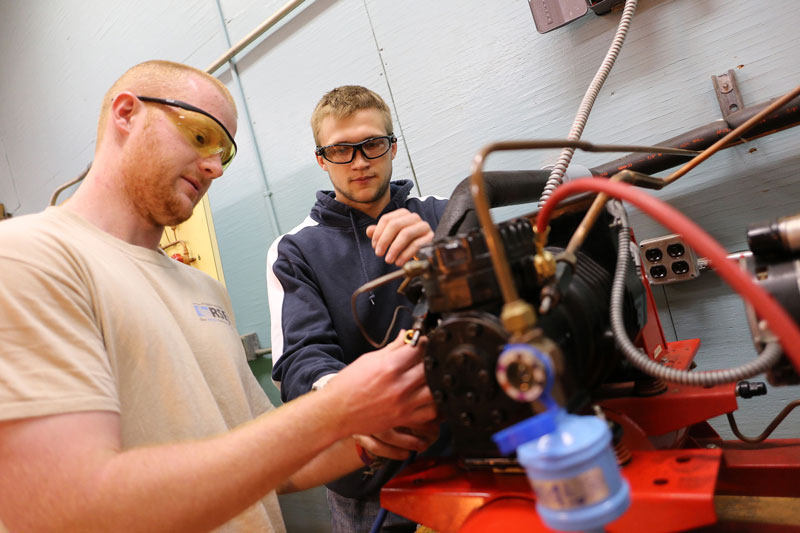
pixel 90 322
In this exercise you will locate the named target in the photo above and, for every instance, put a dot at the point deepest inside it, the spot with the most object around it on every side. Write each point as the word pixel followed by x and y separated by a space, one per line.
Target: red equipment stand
pixel 681 474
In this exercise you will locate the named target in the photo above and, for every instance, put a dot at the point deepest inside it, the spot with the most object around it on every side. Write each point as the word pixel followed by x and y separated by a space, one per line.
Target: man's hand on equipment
pixel 384 389
pixel 399 235
pixel 399 442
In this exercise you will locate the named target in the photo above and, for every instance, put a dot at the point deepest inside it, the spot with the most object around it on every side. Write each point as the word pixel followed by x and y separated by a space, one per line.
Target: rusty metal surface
pixel 727 91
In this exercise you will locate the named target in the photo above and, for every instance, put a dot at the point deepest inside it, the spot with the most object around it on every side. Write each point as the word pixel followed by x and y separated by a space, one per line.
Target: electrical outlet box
pixel 668 259
pixel 551 14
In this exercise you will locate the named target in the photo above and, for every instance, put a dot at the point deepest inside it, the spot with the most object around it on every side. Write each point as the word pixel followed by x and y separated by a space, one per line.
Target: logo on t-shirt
pixel 211 312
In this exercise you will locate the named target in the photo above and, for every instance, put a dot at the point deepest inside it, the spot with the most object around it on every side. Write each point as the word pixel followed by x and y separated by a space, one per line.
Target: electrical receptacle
pixel 668 259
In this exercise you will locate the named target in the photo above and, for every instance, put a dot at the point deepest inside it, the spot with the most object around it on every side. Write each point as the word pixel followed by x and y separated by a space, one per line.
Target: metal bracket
pixel 730 99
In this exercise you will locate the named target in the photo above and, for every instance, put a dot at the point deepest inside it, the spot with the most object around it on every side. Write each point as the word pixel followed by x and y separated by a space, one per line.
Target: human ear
pixel 321 163
pixel 123 108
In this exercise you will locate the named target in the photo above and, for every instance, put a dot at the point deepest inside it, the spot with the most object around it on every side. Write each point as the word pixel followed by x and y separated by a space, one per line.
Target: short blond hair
pixel 343 102
pixel 157 78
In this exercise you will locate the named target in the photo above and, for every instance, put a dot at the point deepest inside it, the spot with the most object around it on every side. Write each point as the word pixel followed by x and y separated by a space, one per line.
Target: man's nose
pixel 359 159
pixel 211 166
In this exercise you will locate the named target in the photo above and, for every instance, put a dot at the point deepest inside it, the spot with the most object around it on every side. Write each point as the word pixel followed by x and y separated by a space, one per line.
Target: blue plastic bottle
pixel 572 468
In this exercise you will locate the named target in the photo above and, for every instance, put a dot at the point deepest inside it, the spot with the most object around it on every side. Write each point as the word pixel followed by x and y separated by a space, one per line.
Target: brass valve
pixel 544 262
pixel 518 317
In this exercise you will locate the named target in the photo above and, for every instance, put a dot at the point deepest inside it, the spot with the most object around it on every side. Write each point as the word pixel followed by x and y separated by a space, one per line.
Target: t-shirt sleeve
pixel 52 355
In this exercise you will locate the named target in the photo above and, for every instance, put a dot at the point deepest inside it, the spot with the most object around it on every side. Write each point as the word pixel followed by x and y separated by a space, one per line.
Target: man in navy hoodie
pixel 365 228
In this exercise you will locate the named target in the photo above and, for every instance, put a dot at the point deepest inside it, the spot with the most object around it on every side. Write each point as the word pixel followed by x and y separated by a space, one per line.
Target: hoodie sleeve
pixel 305 346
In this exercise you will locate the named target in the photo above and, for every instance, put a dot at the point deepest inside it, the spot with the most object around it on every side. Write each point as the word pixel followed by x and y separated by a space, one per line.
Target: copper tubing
pixel 370 285
pixel 770 428
pixel 704 136
pixel 589 219
pixel 410 269
pixel 714 148
pixel 67 185
pixel 594 211
pixel 478 189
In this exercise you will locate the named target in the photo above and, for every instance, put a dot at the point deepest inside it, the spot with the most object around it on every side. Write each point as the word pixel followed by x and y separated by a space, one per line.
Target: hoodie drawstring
pixel 361 257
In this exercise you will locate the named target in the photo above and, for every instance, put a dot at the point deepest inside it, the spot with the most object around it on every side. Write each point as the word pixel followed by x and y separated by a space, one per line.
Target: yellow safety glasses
pixel 204 132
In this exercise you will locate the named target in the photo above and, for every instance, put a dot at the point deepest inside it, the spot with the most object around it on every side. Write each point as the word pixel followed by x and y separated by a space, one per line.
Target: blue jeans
pixel 349 515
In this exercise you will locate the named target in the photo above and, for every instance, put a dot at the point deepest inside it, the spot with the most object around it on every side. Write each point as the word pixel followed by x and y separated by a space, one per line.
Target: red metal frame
pixel 677 464
pixel 671 489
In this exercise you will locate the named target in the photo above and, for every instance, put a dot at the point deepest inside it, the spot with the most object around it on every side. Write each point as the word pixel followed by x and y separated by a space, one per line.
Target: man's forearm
pixel 234 471
pixel 193 486
pixel 335 462
pixel 67 473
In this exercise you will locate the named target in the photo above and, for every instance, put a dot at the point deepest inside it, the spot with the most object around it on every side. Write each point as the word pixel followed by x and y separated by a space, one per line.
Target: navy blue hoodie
pixel 312 272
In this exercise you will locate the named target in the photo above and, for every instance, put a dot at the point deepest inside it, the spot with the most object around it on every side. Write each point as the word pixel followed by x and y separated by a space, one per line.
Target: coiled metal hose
pixel 768 357
pixel 557 174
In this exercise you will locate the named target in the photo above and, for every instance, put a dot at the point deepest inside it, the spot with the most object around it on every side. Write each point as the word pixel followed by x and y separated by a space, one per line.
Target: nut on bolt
pixel 545 264
pixel 518 317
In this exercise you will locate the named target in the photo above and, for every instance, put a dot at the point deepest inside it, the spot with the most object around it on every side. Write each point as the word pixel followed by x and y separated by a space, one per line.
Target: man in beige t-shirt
pixel 126 402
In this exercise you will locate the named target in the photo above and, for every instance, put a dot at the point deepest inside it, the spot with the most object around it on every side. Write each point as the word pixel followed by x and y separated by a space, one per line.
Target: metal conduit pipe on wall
pixel 227 56
pixel 253 35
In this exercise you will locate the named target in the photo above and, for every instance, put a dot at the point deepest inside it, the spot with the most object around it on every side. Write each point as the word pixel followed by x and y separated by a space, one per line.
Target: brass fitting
pixel 540 239
pixel 518 317
pixel 545 264
pixel 543 261
pixel 415 267
pixel 412 337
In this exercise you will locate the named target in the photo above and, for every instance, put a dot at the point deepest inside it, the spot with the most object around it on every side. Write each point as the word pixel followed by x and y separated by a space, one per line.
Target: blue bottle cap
pixel 510 438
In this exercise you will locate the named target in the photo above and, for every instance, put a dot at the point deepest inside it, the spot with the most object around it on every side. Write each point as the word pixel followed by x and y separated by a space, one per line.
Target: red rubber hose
pixel 781 324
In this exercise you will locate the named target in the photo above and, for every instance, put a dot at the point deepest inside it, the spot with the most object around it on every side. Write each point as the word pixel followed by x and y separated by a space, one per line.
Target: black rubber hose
pixel 700 138
pixel 503 187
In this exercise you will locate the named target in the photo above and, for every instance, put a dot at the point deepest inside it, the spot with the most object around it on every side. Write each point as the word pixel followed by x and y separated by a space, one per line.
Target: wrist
pixel 366 457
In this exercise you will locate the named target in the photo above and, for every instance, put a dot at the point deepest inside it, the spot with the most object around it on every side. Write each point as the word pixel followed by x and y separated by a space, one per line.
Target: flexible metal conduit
pixel 557 175
pixel 768 357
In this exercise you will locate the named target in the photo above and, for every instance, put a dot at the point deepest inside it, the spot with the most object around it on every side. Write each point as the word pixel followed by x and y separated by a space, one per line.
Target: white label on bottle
pixel 587 488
